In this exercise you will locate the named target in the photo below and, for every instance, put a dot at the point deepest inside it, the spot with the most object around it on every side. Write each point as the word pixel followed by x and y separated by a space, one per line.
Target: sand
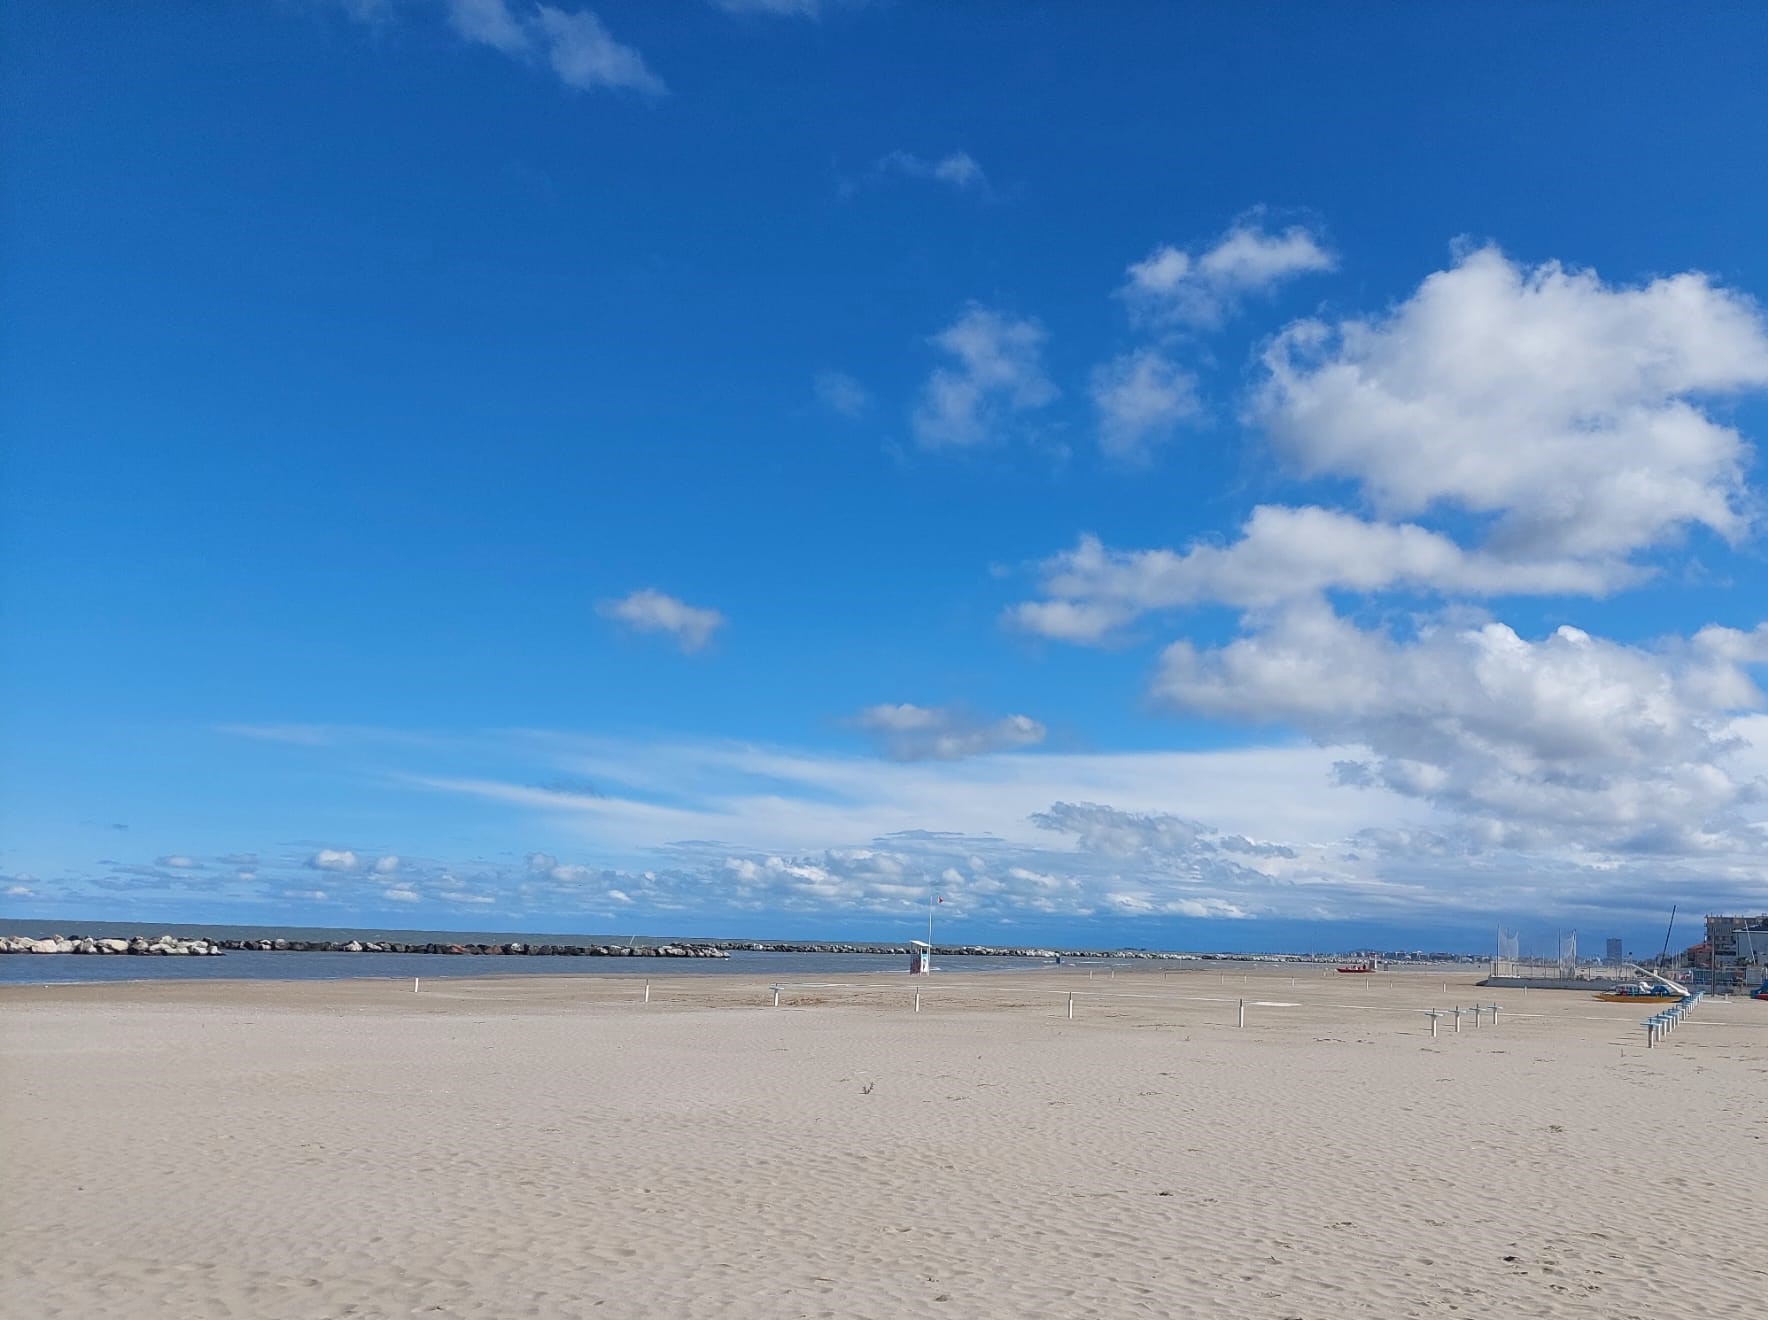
pixel 548 1147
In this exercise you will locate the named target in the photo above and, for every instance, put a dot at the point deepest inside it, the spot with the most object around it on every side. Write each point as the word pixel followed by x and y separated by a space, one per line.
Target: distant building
pixel 1614 954
pixel 1738 944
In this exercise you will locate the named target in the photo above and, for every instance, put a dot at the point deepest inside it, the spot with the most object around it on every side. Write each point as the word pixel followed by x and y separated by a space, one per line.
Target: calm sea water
pixel 240 965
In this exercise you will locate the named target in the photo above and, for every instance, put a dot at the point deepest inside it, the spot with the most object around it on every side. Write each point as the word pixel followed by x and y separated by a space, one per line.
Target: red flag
pixel 939 900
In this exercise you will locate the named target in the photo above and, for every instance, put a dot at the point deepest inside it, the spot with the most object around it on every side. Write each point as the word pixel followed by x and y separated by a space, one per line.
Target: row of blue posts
pixel 1659 1025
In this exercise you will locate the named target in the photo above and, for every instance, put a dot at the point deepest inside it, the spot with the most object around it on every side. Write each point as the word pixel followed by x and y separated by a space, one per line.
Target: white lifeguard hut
pixel 920 958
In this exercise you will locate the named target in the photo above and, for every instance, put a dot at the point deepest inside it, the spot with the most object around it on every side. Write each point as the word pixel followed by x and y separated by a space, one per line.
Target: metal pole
pixel 647 992
pixel 1243 1012
pixel 1071 1008
pixel 776 996
pixel 917 1001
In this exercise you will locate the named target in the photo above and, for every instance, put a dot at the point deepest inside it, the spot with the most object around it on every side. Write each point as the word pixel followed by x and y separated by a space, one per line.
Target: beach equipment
pixel 1651 989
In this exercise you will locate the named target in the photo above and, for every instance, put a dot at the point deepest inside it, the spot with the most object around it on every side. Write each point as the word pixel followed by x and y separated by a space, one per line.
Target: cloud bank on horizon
pixel 1236 575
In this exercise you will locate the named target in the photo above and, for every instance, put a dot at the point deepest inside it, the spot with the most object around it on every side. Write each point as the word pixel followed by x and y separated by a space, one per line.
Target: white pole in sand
pixel 1243 1012
pixel 917 1001
pixel 776 996
pixel 1071 1008
pixel 1457 1019
pixel 647 992
pixel 414 985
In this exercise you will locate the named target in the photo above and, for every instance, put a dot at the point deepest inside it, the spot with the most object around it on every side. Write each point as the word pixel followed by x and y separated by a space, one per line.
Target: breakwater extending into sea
pixel 49 956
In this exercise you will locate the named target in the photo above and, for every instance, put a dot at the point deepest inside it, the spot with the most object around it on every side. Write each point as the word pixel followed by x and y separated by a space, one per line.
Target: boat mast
pixel 1664 956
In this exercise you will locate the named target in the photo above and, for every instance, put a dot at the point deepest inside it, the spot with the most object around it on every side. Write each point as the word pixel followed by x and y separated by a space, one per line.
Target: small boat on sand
pixel 1370 966
pixel 1653 989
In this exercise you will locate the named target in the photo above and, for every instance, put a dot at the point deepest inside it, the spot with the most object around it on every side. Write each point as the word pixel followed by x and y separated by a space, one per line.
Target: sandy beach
pixel 508 1147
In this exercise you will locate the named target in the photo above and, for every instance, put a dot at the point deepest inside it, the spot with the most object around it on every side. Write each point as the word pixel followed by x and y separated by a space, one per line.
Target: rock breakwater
pixel 161 945
pixel 174 945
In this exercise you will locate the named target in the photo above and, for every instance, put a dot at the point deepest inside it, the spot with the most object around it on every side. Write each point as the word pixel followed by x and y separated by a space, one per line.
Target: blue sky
pixel 1212 476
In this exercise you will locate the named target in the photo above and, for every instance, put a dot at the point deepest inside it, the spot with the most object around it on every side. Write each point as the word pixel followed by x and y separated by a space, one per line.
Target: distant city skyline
pixel 1231 478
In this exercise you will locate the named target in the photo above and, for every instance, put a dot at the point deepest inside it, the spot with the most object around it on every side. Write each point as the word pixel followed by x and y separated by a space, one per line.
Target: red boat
pixel 1369 966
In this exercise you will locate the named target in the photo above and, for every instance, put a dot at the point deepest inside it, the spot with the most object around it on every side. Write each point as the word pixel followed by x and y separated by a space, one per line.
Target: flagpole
pixel 931 900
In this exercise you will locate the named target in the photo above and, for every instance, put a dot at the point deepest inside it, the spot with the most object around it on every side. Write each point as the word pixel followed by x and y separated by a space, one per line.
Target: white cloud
pixel 715 830
pixel 761 799
pixel 20 891
pixel 489 23
pixel 997 376
pixel 1173 286
pixel 1141 398
pixel 575 44
pixel 1566 740
pixel 650 611
pixel 386 865
pixel 958 169
pixel 1569 410
pixel 401 894
pixel 934 733
pixel 1282 554
pixel 841 393
pixel 333 859
pixel 178 862
pixel 585 55
pixel 303 895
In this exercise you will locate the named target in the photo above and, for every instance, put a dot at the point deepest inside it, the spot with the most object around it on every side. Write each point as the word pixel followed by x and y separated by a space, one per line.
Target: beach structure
pixel 920 958
pixel 1737 948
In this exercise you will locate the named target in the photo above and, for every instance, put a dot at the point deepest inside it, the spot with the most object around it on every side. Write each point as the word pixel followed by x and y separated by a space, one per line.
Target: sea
pixel 250 965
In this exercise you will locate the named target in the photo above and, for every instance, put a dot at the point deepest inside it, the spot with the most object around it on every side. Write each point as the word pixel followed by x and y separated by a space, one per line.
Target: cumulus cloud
pixel 340 860
pixel 575 44
pixel 1282 554
pixel 1565 739
pixel 650 611
pixel 1126 834
pixel 178 862
pixel 841 393
pixel 934 733
pixel 995 377
pixel 1571 411
pixel 386 865
pixel 401 894
pixel 1559 432
pixel 1141 398
pixel 1174 286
